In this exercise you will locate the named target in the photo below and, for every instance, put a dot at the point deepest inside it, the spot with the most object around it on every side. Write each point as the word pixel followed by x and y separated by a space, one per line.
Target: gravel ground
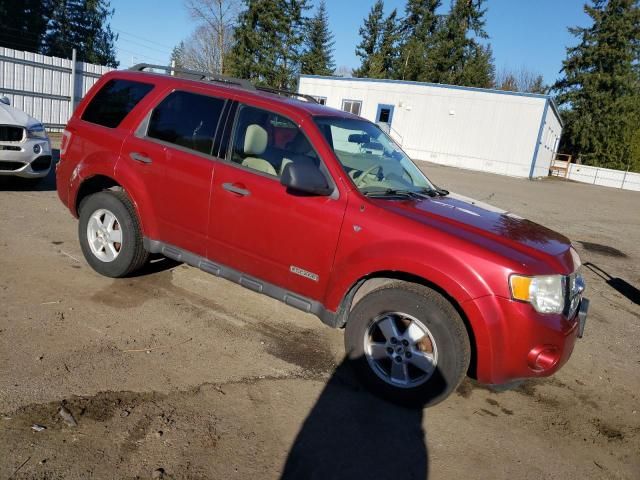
pixel 178 374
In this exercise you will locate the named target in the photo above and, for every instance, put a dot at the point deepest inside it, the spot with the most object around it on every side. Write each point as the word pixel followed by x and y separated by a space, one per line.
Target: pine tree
pixel 268 42
pixel 418 30
pixel 478 69
pixel 292 33
pixel 600 89
pixel 317 58
pixel 458 57
pixel 368 46
pixel 83 25
pixel 23 24
pixel 59 39
pixel 253 55
pixel 385 59
pixel 177 56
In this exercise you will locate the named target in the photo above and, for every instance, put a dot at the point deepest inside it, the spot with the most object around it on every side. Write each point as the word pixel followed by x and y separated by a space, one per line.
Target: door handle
pixel 233 188
pixel 138 157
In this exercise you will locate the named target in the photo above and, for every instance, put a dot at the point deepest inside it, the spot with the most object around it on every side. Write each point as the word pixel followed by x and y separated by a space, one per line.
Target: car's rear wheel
pixel 408 344
pixel 110 234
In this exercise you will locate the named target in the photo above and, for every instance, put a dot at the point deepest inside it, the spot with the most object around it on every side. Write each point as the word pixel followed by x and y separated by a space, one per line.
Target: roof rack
pixel 213 77
pixel 288 93
pixel 203 76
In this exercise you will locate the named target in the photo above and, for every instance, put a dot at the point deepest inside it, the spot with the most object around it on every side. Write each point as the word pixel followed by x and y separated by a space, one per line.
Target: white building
pixel 495 131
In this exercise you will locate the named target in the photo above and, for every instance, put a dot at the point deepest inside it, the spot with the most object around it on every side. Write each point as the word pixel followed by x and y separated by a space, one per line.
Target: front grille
pixel 573 288
pixel 10 166
pixel 10 133
pixel 41 163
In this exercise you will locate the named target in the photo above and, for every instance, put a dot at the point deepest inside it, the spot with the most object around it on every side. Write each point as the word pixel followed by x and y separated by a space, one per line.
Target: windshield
pixel 370 157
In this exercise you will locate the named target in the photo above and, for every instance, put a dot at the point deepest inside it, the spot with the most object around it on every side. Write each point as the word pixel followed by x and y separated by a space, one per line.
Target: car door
pixel 183 125
pixel 257 226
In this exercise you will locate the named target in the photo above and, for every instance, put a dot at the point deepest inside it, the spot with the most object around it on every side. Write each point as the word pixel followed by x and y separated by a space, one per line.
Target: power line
pixel 127 40
pixel 143 57
pixel 142 38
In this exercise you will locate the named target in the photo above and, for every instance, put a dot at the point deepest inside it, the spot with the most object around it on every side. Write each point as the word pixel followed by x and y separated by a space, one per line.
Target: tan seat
pixel 255 144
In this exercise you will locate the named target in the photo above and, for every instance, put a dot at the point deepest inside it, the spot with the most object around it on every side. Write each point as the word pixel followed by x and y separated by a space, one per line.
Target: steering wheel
pixel 360 181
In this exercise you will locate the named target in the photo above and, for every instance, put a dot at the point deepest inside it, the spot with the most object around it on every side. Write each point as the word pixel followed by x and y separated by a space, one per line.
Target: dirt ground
pixel 178 374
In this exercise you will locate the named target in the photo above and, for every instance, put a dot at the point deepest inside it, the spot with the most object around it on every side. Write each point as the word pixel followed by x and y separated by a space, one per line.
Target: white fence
pixel 605 177
pixel 47 88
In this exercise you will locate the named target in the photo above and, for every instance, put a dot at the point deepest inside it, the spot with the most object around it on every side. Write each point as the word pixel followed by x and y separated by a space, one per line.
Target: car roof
pixel 309 108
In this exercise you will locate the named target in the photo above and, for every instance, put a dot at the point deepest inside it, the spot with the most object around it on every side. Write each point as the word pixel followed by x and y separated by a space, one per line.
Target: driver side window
pixel 266 142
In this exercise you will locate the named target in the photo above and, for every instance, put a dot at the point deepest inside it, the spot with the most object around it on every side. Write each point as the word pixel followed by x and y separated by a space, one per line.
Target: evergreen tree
pixel 83 25
pixel 418 30
pixel 177 56
pixel 268 42
pixel 368 46
pixel 386 57
pixel 291 30
pixel 478 69
pixel 458 57
pixel 253 55
pixel 23 23
pixel 600 89
pixel 317 58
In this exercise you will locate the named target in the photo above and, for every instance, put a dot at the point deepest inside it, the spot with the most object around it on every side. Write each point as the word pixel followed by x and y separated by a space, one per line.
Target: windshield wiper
pixel 394 192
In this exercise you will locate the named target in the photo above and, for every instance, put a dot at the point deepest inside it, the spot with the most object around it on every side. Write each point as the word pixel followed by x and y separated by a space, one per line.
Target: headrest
pixel 299 144
pixel 255 140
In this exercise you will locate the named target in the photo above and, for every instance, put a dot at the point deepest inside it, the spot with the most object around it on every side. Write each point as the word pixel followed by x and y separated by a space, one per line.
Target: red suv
pixel 322 210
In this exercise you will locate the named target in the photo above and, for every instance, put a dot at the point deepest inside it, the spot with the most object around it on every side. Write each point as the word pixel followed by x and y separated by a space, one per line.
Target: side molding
pixel 294 300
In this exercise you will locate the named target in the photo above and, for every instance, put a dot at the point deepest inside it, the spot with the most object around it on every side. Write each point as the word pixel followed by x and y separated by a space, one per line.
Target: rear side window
pixel 188 120
pixel 114 102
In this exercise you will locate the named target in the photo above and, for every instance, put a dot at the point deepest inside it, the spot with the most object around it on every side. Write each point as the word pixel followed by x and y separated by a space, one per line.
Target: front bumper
pixel 514 342
pixel 30 158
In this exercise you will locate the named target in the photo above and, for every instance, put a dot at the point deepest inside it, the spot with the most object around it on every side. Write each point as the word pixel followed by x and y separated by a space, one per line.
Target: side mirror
pixel 5 100
pixel 306 178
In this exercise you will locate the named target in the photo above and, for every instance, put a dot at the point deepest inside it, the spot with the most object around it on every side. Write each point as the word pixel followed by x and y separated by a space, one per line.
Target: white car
pixel 25 149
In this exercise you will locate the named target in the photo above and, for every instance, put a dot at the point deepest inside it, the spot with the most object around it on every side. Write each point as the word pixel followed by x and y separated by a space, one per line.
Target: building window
pixel 352 106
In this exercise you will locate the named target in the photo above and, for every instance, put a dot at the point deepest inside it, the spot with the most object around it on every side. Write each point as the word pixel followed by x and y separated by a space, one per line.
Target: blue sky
pixel 531 33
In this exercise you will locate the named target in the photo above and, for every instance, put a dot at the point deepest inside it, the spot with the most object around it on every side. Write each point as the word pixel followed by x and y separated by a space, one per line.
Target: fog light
pixel 37 148
pixel 543 358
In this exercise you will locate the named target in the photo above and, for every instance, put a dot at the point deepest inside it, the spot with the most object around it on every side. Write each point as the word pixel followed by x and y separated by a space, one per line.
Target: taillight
pixel 64 143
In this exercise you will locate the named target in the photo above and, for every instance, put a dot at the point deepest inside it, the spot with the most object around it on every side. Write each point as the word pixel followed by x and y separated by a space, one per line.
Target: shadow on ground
pixel 621 286
pixel 351 434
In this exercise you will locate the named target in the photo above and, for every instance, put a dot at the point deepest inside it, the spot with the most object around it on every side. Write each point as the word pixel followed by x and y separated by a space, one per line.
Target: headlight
pixel 545 292
pixel 36 131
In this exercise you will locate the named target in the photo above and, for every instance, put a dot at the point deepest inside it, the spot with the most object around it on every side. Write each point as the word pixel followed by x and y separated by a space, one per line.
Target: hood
pixel 13 116
pixel 483 219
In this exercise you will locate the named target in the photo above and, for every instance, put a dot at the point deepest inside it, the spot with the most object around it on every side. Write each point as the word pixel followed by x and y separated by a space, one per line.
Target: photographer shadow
pixel 351 434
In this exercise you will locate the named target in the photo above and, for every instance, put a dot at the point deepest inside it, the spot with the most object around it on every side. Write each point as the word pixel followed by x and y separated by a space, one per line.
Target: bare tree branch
pixel 213 37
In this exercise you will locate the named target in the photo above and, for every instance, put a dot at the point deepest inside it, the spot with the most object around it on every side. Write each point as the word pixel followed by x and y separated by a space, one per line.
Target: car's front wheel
pixel 110 234
pixel 408 344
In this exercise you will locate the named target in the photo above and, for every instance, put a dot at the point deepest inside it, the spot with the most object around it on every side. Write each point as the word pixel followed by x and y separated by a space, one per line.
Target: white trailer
pixel 508 133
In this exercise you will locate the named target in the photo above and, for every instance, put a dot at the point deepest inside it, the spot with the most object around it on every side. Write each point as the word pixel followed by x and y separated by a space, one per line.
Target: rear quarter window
pixel 114 101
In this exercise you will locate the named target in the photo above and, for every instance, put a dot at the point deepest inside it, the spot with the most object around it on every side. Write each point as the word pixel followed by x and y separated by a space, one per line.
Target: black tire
pixel 132 254
pixel 435 313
